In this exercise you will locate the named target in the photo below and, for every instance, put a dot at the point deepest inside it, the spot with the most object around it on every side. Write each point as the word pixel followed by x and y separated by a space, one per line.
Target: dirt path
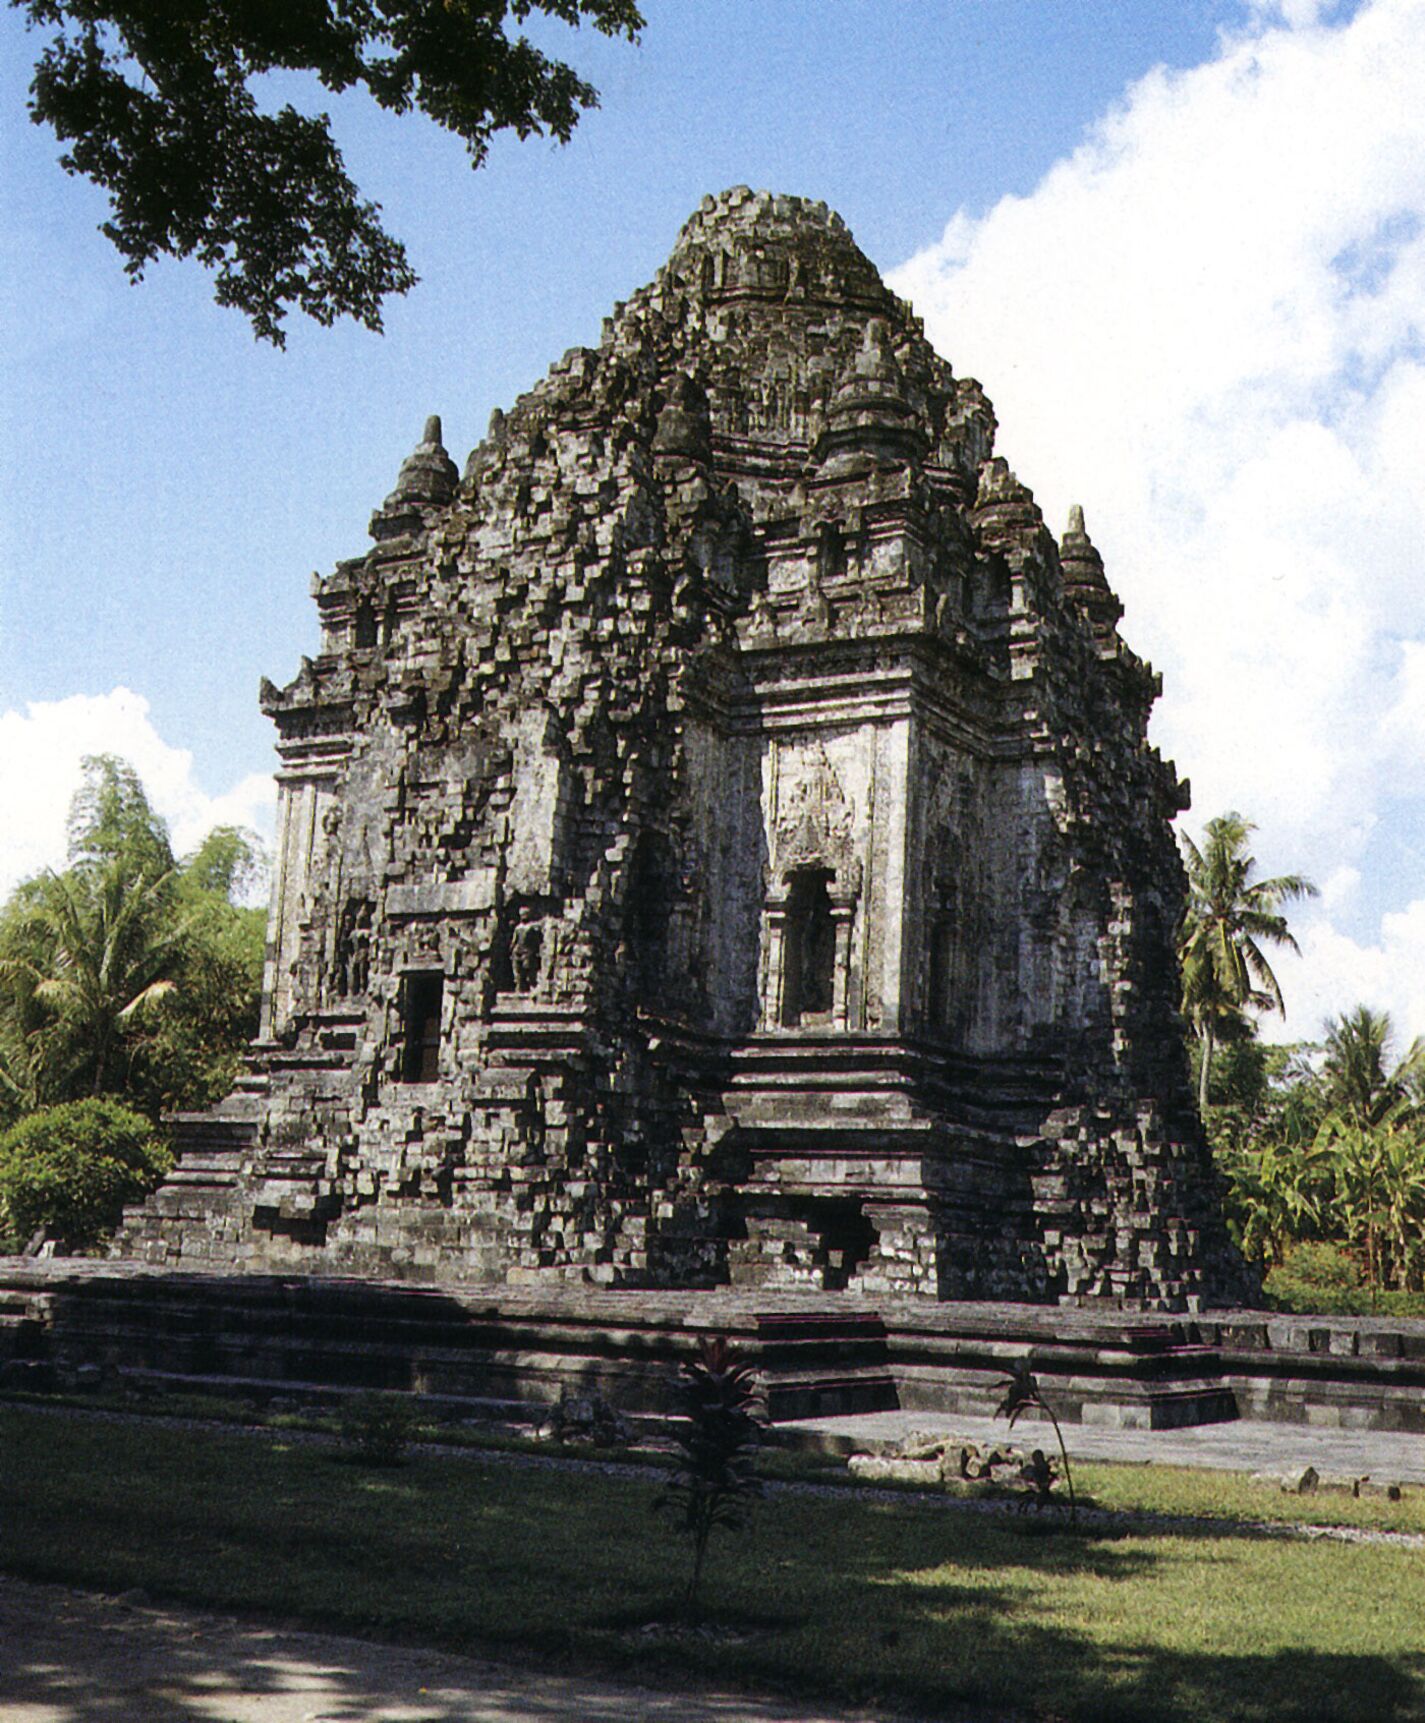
pixel 74 1657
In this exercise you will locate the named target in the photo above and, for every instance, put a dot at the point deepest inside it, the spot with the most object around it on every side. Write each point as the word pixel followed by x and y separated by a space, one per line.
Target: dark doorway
pixel 830 552
pixel 420 1018
pixel 809 955
pixel 847 1238
pixel 648 911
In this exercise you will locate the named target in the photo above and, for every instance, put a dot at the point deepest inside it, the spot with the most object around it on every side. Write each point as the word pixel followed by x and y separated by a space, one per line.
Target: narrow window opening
pixel 831 552
pixel 420 1016
pixel 810 951
pixel 364 633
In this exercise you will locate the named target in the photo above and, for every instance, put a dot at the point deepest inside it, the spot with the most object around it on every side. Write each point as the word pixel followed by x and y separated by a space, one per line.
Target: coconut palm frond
pixel 1228 920
pixel 157 993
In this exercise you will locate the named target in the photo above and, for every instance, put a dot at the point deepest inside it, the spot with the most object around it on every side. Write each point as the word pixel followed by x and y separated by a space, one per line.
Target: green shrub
pixel 71 1169
pixel 1318 1279
pixel 1325 1280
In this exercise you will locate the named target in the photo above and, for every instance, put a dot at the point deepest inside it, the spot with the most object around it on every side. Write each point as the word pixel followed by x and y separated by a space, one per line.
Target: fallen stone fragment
pixel 881 1469
pixel 922 1445
pixel 1339 1483
pixel 1390 1488
pixel 1297 1481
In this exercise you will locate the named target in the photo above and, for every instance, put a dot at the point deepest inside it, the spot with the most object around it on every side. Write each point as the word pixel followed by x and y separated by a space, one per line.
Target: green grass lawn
pixel 893 1599
pixel 1201 1490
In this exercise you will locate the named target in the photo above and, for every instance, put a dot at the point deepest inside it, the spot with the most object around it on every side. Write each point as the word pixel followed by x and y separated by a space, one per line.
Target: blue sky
pixel 1179 243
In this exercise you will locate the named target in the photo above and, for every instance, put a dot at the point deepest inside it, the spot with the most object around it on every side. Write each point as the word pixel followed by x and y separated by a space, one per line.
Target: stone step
pixel 296 1196
pixel 869 1087
pixel 811 1134
pixel 318 1062
pixel 1106 1404
pixel 828 1393
pixel 216 1155
pixel 290 1164
pixel 207 1173
pixel 808 1343
pixel 213 1133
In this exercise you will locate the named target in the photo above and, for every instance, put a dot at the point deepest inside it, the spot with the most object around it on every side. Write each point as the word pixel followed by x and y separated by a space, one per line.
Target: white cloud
pixel 1208 326
pixel 1339 888
pixel 1336 973
pixel 1296 13
pixel 41 754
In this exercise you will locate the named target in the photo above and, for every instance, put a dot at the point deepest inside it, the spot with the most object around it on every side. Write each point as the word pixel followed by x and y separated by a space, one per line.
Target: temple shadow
pixel 69 1657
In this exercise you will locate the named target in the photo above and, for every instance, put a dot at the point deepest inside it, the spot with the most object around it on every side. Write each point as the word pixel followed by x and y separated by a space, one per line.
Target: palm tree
pixel 1374 1131
pixel 129 972
pixel 1229 917
pixel 1354 1069
pixel 97 949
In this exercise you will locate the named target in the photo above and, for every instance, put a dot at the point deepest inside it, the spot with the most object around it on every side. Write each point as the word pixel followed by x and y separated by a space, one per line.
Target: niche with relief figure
pixel 810 910
pixel 809 949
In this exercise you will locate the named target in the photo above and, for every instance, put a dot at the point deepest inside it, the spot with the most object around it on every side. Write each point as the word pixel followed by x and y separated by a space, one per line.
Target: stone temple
pixel 719 845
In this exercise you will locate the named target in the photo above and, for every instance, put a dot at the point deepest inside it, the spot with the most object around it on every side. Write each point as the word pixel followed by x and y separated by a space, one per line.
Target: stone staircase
pixel 230 1200
pixel 24 1322
pixel 200 1208
pixel 1095 1368
pixel 813 1363
pixel 856 1179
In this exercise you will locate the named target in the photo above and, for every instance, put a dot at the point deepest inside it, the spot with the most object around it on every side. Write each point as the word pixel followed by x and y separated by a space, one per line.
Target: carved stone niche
pixel 518 959
pixel 809 913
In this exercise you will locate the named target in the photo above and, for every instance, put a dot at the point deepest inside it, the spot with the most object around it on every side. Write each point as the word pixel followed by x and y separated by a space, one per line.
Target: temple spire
pixel 1084 579
pixel 427 479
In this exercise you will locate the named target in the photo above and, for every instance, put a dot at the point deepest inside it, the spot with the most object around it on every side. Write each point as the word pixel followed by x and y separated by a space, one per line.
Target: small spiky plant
pixel 1022 1394
pixel 379 1427
pixel 714 1480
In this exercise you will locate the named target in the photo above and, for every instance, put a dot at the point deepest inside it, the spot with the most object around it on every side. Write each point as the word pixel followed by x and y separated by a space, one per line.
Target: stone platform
pixel 503 1348
pixel 1246 1445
